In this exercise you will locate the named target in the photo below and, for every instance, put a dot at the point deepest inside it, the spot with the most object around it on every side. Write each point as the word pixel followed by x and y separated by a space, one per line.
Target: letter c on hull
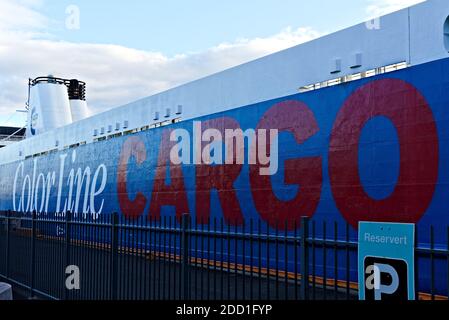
pixel 132 209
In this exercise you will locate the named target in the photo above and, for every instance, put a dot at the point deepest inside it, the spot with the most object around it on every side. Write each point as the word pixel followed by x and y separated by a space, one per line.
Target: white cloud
pixel 378 8
pixel 114 74
pixel 19 16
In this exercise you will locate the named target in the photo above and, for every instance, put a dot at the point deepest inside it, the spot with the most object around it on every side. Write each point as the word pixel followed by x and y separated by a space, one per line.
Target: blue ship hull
pixel 376 149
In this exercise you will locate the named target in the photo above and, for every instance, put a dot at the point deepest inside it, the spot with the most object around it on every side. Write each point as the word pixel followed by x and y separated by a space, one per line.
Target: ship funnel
pixel 55 102
pixel 49 106
pixel 77 97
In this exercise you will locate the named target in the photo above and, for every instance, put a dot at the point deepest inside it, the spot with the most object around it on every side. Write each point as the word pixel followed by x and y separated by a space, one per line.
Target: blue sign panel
pixel 386 261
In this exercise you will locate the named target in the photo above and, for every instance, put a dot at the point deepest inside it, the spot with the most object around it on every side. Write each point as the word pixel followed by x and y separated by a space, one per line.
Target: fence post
pixel 304 259
pixel 68 219
pixel 114 255
pixel 8 215
pixel 33 253
pixel 185 255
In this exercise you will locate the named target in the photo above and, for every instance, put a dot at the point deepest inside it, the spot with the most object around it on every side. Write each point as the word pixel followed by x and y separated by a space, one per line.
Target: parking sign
pixel 386 261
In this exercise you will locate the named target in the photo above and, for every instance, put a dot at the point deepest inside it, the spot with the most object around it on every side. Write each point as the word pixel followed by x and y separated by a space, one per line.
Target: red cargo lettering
pixel 411 115
pixel 132 209
pixel 173 194
pixel 297 118
pixel 218 177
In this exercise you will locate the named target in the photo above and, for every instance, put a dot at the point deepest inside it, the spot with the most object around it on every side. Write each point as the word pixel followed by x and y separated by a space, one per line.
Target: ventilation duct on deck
pixel 77 96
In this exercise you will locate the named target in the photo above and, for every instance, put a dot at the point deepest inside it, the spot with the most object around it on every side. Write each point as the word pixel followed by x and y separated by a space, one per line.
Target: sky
pixel 127 50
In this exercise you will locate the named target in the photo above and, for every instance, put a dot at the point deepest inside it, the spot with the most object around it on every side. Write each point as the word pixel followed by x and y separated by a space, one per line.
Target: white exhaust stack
pixel 77 97
pixel 49 106
pixel 55 102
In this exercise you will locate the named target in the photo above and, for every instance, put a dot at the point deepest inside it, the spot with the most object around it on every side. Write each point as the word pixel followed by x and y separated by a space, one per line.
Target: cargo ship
pixel 349 127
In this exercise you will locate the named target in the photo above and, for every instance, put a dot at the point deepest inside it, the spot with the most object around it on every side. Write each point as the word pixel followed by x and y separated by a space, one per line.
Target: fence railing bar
pixel 251 260
pixel 7 243
pixel 171 263
pixel 434 252
pixel 235 262
pixel 304 259
pixel 447 259
pixel 215 261
pixel 285 261
pixel 325 244
pixel 335 261
pixel 67 246
pixel 244 263
pixel 222 289
pixel 277 259
pixel 185 255
pixel 33 255
pixel 313 260
pixel 348 264
pixel 208 263
pixel 114 257
pixel 268 263
pixel 295 260
pixel 432 265
pixel 166 261
pixel 260 259
pixel 161 260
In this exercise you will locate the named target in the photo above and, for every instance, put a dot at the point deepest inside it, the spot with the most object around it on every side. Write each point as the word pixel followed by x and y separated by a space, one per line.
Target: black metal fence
pixel 179 260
